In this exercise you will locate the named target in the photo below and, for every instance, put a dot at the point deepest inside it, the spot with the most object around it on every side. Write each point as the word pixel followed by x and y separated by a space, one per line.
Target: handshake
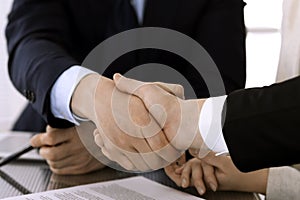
pixel 141 126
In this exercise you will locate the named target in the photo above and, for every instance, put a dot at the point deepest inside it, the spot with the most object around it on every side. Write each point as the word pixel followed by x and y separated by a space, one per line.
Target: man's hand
pixel 178 118
pixel 126 133
pixel 64 151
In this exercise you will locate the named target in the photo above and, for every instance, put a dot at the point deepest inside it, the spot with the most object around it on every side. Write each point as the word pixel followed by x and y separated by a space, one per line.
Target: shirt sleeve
pixel 62 91
pixel 210 124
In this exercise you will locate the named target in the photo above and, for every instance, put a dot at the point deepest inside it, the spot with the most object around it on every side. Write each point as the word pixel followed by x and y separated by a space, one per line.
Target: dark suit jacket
pixel 47 37
pixel 262 126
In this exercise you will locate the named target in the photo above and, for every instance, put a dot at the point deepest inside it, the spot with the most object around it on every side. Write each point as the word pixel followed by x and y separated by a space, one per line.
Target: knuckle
pixel 57 171
pixel 54 165
pixel 50 155
pixel 51 139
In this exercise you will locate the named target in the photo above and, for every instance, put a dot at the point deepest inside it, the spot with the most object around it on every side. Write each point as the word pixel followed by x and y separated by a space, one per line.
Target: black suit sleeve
pixel 38 36
pixel 262 126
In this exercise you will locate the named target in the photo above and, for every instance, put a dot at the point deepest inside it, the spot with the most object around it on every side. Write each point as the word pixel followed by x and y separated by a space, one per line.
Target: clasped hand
pixel 141 126
pixel 143 141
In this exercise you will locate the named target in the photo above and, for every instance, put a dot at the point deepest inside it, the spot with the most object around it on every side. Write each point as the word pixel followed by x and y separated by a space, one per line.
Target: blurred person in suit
pixel 48 40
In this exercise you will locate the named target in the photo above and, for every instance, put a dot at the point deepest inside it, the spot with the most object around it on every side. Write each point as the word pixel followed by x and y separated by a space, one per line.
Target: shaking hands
pixel 142 126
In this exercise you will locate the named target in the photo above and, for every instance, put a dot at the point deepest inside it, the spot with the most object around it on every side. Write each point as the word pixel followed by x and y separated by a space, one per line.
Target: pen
pixel 15 155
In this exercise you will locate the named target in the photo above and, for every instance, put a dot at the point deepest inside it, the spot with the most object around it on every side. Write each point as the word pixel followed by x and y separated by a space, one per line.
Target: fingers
pixel 182 160
pixel 69 158
pixel 112 152
pixel 185 176
pixel 152 159
pixel 209 176
pixel 54 153
pixel 146 91
pixel 82 165
pixel 161 146
pixel 142 159
pixel 52 137
pixel 72 160
pixel 179 170
pixel 98 139
pixel 192 175
pixel 197 178
pixel 174 89
pixel 62 151
pixel 171 170
pixel 129 86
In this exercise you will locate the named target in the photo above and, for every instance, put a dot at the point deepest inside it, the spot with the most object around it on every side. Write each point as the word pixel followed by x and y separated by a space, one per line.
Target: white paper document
pixel 138 188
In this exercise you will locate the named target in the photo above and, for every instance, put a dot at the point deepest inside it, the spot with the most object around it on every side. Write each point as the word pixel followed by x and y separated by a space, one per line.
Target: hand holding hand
pixel 64 151
pixel 178 118
pixel 126 133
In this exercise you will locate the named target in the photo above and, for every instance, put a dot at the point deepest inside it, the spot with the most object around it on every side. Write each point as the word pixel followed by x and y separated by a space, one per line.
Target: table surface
pixel 36 177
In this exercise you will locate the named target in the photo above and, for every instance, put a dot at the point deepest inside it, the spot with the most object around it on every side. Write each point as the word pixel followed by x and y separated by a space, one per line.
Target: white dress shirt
pixel 210 124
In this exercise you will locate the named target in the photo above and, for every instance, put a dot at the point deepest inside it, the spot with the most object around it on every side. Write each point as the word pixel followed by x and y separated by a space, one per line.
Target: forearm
pixel 33 70
pixel 263 120
pixel 255 181
pixel 39 42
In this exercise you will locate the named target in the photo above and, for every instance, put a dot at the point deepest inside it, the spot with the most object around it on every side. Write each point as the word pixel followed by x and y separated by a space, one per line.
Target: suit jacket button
pixel 31 96
pixel 25 93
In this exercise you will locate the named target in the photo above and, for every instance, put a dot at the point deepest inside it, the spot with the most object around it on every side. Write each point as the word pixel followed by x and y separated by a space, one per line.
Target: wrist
pixel 82 101
pixel 260 183
pixel 254 181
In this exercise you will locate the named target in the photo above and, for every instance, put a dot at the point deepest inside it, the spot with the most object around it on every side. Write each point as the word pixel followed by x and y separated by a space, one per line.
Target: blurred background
pixel 263 21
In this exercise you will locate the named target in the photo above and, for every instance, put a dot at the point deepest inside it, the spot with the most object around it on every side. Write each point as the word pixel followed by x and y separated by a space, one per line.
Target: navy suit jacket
pixel 47 37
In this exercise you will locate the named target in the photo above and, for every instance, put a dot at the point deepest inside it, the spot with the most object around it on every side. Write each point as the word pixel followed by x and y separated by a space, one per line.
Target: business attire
pixel 45 38
pixel 261 125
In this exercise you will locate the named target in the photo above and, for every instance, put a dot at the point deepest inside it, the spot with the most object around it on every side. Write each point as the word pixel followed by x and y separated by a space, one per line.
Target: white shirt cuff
pixel 210 124
pixel 62 91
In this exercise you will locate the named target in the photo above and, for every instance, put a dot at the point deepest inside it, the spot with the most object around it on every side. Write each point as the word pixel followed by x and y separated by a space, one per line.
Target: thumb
pixel 132 86
pixel 127 85
pixel 174 89
pixel 149 93
pixel 36 140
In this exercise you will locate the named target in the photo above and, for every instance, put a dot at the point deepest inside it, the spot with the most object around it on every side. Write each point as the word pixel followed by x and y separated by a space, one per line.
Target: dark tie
pixel 123 17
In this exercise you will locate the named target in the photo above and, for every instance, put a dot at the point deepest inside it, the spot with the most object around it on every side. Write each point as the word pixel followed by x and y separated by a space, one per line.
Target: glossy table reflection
pixel 37 177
